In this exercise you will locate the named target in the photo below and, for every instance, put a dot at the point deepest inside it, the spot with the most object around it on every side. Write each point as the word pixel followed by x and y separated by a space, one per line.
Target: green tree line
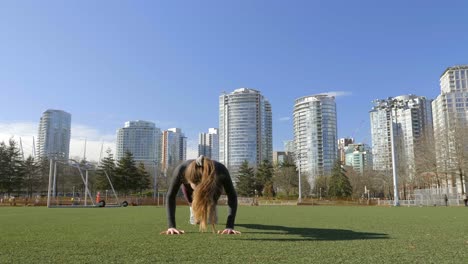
pixel 283 179
pixel 29 176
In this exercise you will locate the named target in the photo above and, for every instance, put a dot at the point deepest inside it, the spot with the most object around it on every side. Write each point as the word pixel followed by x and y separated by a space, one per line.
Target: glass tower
pixel 315 135
pixel 245 128
pixel 54 134
pixel 174 148
pixel 142 139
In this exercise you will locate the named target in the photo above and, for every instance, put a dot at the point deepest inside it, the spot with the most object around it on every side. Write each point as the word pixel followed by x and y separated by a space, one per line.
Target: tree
pixel 126 174
pixel 427 174
pixel 11 167
pixel 321 186
pixel 285 177
pixel 339 185
pixel 306 188
pixel 264 178
pixel 245 180
pixel 142 178
pixel 106 166
pixel 44 170
pixel 458 149
pixel 32 173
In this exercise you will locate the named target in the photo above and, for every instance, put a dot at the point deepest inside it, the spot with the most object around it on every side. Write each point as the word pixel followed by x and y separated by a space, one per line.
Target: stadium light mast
pixel 300 185
pixel 155 181
pixel 396 201
pixel 392 107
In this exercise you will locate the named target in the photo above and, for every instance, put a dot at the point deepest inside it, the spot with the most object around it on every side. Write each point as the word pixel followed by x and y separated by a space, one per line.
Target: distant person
pixel 446 199
pixel 12 200
pixel 466 200
pixel 202 181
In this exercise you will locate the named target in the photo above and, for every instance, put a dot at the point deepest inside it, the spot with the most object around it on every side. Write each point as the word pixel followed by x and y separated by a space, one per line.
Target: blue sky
pixel 107 62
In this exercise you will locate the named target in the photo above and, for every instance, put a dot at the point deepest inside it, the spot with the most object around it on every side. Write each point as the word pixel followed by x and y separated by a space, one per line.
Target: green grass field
pixel 282 234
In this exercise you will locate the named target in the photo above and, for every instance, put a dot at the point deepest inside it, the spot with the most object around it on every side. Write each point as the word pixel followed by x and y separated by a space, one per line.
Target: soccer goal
pixel 72 198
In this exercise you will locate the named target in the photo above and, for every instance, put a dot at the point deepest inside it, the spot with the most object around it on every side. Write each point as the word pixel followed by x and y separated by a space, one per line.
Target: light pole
pixel 299 156
pixel 51 171
pixel 395 175
pixel 300 184
pixel 155 181
pixel 393 107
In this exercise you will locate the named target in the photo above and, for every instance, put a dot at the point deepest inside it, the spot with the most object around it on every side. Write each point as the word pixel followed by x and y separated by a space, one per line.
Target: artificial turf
pixel 270 234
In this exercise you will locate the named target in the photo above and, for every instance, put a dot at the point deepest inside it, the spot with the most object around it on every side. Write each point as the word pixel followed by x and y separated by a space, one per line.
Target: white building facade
pixel 245 129
pixel 315 135
pixel 142 139
pixel 54 134
pixel 208 144
pixel 410 116
pixel 450 111
pixel 174 148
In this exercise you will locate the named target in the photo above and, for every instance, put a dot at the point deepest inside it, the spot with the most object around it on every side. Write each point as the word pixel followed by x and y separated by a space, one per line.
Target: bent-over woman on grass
pixel 202 181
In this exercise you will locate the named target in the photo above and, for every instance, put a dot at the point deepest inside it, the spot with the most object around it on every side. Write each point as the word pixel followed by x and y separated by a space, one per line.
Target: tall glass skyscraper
pixel 450 111
pixel 54 135
pixel 208 144
pixel 315 135
pixel 174 148
pixel 142 139
pixel 411 118
pixel 245 129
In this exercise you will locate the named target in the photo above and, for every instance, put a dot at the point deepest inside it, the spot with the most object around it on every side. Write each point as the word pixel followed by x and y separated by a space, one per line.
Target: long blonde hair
pixel 204 196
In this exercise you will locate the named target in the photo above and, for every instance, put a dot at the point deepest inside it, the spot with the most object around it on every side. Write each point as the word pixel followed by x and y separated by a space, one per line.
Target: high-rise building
pixel 342 144
pixel 142 139
pixel 289 146
pixel 410 117
pixel 358 156
pixel 174 148
pixel 245 129
pixel 280 157
pixel 208 144
pixel 315 135
pixel 54 135
pixel 450 112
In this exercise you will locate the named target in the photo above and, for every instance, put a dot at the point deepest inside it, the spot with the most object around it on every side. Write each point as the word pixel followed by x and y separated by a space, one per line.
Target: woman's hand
pixel 229 231
pixel 172 231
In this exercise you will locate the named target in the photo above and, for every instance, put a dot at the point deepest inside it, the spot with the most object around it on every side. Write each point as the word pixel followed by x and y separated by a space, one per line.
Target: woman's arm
pixel 226 182
pixel 177 177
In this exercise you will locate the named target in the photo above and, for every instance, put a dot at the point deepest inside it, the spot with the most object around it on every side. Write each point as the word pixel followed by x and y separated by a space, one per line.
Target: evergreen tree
pixel 339 185
pixel 44 169
pixel 245 180
pixel 126 174
pixel 11 167
pixel 33 178
pixel 106 166
pixel 143 181
pixel 264 178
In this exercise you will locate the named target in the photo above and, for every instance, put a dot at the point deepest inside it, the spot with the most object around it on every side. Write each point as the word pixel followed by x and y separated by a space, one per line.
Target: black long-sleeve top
pixel 222 179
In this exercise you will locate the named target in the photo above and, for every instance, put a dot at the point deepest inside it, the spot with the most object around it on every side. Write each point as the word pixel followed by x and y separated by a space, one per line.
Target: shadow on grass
pixel 316 234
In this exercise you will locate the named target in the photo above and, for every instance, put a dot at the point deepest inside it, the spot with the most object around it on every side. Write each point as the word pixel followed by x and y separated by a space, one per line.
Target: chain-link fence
pixel 431 197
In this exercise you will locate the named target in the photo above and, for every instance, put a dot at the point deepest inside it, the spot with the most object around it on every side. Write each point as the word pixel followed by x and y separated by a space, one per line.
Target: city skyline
pixel 168 63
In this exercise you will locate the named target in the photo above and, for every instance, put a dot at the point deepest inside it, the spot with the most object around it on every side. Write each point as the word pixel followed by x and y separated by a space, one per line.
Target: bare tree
pixel 285 178
pixel 458 150
pixel 427 174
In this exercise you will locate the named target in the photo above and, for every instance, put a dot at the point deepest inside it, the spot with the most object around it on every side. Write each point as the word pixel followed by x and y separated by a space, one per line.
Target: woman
pixel 202 181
